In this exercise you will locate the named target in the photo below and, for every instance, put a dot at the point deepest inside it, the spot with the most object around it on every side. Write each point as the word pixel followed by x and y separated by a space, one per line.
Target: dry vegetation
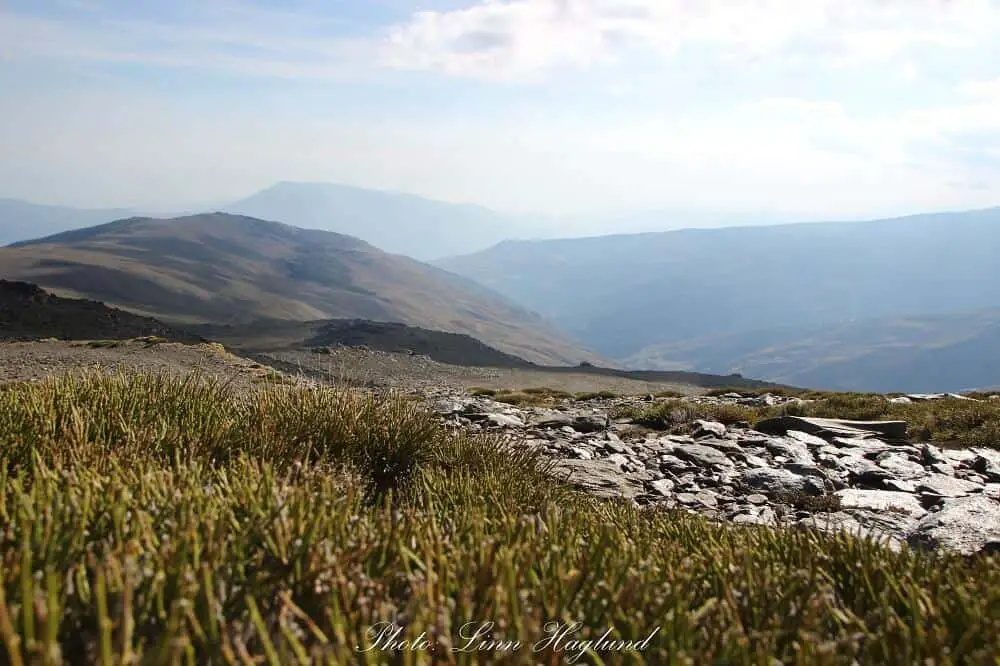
pixel 165 520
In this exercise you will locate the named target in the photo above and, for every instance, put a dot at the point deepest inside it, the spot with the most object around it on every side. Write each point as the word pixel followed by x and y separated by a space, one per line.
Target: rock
pixel 987 463
pixel 687 499
pixel 505 421
pixel 966 525
pixel 881 500
pixel 663 487
pixel 782 481
pixel 722 445
pixel 703 428
pixel 703 455
pixel 590 423
pixel 601 478
pixel 830 428
pixel 618 459
pixel 901 466
pixel 755 461
pixel 551 419
pixel 791 449
pixel 708 498
pixel 756 498
pixel 940 485
pixel 805 438
pixel 582 453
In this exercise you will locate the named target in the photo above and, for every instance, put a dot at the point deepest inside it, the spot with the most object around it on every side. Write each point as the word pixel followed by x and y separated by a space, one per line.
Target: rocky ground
pixel 837 480
pixel 860 480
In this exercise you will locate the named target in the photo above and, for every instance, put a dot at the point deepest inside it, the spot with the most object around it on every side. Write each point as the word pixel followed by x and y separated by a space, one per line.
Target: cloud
pixel 510 38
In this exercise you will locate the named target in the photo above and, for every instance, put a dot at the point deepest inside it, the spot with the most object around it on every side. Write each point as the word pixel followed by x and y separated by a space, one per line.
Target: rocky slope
pixel 833 478
pixel 28 312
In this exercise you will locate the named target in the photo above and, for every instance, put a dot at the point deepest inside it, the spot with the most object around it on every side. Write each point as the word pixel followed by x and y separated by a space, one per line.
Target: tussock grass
pixel 164 520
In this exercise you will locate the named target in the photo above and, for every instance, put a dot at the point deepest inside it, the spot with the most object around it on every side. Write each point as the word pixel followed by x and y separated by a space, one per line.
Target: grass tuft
pixel 149 520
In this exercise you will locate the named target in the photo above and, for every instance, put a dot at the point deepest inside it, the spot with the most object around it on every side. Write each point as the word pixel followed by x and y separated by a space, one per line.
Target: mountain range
pixel 230 269
pixel 819 304
pixel 896 304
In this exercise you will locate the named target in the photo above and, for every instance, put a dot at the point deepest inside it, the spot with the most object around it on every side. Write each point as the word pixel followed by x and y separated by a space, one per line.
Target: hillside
pixel 395 222
pixel 30 313
pixel 230 269
pixel 949 352
pixel 684 291
pixel 21 220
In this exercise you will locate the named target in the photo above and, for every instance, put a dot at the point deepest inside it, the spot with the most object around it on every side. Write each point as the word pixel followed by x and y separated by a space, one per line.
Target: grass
pixel 947 422
pixel 158 520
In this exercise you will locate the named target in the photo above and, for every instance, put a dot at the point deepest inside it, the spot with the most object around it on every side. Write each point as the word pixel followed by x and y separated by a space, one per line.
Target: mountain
pixel 395 222
pixel 947 352
pixel 28 312
pixel 684 292
pixel 229 269
pixel 20 220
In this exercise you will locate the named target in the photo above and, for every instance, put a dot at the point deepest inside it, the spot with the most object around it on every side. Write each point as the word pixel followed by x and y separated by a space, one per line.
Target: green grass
pixel 947 422
pixel 161 520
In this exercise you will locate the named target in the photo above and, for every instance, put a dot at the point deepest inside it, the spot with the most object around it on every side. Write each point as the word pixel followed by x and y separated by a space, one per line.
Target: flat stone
pixel 805 438
pixel 881 500
pixel 601 478
pixel 703 455
pixel 830 428
pixel 687 498
pixel 967 525
pixel 756 498
pixel 782 481
pixel 790 449
pixel 901 466
pixel 663 487
pixel 708 498
pixel 505 420
pixel 947 486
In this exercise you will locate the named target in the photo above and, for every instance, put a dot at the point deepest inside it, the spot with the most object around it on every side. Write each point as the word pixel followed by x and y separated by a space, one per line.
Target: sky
pixel 794 109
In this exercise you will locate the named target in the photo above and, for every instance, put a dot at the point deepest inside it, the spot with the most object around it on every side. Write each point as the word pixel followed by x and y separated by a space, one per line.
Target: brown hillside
pixel 228 269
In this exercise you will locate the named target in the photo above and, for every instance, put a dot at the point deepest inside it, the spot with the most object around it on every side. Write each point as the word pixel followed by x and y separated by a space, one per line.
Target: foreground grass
pixel 158 520
pixel 948 422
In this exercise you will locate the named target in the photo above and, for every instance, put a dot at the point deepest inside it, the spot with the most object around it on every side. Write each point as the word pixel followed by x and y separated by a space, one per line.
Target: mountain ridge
pixel 226 268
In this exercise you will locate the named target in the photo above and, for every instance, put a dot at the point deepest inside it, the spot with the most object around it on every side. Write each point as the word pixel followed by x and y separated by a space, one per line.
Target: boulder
pixel 967 525
pixel 830 428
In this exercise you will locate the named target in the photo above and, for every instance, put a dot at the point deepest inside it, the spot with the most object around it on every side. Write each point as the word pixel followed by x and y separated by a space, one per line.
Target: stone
pixel 590 423
pixel 710 428
pixel 782 481
pixel 881 500
pixel 967 525
pixel 901 466
pixel 830 428
pixel 790 449
pixel 756 498
pixel 941 485
pixel 582 453
pixel 806 438
pixel 703 455
pixel 505 420
pixel 987 463
pixel 601 478
pixel 663 487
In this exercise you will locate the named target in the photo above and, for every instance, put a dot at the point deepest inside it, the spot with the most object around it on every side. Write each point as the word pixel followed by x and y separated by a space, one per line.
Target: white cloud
pixel 506 38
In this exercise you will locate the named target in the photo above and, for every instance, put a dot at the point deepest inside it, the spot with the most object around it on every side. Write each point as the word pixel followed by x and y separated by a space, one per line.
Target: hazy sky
pixel 812 108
